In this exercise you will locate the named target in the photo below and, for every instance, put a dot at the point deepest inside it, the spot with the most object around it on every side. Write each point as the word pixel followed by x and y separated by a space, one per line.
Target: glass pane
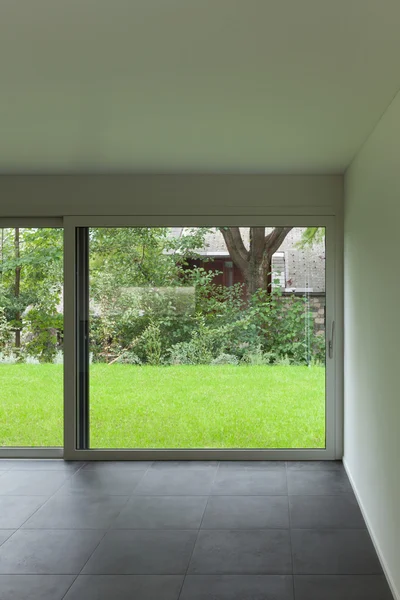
pixel 207 337
pixel 31 337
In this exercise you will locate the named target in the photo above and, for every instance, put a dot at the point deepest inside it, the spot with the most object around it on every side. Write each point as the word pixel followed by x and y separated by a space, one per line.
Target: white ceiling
pixel 193 85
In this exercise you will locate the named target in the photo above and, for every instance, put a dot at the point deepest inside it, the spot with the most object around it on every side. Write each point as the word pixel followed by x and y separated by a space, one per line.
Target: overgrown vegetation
pixel 147 304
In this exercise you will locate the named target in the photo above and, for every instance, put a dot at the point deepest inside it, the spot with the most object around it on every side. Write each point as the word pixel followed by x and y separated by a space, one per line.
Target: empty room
pixel 199 213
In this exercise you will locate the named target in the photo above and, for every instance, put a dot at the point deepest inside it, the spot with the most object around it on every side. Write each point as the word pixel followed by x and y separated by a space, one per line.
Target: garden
pixel 176 359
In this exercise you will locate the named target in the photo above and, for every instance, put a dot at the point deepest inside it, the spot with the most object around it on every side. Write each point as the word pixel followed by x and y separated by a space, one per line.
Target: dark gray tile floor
pixel 183 531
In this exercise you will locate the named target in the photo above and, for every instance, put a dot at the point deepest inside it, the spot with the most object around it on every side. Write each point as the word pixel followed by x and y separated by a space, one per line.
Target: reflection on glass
pixel 207 337
pixel 31 337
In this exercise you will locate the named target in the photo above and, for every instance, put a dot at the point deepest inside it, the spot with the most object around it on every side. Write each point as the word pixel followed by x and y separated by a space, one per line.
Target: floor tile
pixel 123 465
pixel 343 587
pixel 34 587
pixel 45 551
pixel 76 512
pixel 250 483
pixel 315 465
pixel 162 512
pixel 325 512
pixel 32 483
pixel 142 552
pixel 242 552
pixel 318 483
pixel 5 534
pixel 237 587
pixel 176 482
pixel 252 465
pixel 15 510
pixel 46 465
pixel 126 587
pixel 105 482
pixel 333 552
pixel 185 464
pixel 246 512
pixel 5 464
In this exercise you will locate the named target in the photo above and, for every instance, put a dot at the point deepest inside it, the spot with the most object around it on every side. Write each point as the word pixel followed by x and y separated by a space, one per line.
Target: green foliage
pixel 41 327
pixel 225 359
pixel 5 332
pixel 198 350
pixel 256 356
pixel 148 305
pixel 311 236
pixel 32 309
pixel 152 343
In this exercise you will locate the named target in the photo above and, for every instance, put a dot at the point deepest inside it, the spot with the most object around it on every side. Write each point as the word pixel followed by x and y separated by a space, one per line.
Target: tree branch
pixel 274 239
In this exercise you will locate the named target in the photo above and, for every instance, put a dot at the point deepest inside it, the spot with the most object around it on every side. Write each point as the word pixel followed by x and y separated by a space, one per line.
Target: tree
pixel 311 236
pixel 17 287
pixel 254 262
pixel 31 276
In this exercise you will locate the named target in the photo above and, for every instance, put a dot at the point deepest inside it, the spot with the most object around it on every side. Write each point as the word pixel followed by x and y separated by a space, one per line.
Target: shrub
pixel 8 359
pixel 225 359
pixel 5 331
pixel 197 323
pixel 41 327
pixel 283 361
pixel 152 343
pixel 256 356
pixel 129 358
pixel 182 353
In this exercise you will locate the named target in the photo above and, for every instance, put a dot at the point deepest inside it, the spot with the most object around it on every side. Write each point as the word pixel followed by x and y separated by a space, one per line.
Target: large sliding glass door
pixel 203 339
pixel 31 337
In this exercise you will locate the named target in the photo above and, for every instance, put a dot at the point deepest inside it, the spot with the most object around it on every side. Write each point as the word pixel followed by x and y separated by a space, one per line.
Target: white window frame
pixel 313 216
pixel 334 410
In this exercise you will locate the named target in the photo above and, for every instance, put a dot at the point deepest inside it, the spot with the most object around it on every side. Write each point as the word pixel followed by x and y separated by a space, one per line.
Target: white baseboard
pixel 394 590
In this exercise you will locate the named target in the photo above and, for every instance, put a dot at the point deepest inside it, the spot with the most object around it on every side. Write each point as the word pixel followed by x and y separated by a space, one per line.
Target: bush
pixel 41 327
pixel 197 351
pixel 152 343
pixel 256 356
pixel 8 359
pixel 225 359
pixel 182 353
pixel 197 323
pixel 5 331
pixel 129 358
pixel 283 361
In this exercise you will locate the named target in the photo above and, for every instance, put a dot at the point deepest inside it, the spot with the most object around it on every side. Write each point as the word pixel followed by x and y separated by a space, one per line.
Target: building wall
pixel 303 267
pixel 372 335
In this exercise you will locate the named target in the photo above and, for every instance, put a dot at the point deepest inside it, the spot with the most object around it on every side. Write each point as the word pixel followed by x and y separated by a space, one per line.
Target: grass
pixel 170 407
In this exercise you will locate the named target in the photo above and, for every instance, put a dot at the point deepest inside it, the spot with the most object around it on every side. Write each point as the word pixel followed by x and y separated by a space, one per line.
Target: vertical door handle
pixel 330 343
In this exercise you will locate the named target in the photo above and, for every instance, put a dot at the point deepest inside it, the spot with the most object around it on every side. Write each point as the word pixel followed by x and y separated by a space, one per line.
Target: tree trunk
pixel 254 263
pixel 17 287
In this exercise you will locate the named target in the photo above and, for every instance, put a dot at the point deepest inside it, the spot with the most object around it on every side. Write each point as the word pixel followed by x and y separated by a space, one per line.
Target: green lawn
pixel 170 407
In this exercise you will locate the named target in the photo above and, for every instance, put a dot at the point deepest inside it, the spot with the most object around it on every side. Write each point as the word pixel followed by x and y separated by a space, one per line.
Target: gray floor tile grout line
pixel 198 532
pixel 6 540
pixel 132 495
pixel 105 532
pixel 290 534
pixel 94 575
pixel 44 503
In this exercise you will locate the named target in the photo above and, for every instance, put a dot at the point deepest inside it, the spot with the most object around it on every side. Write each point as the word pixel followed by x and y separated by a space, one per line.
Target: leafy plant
pixel 225 359
pixel 5 331
pixel 152 343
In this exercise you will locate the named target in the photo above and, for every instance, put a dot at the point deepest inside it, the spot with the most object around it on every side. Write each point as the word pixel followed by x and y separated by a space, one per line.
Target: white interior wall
pixel 372 334
pixel 59 195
